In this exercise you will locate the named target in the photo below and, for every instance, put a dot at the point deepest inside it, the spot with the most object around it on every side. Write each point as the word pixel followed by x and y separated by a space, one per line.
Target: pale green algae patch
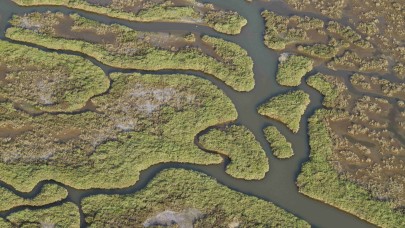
pixel 126 48
pixel 49 193
pixel 44 81
pixel 286 108
pixel 248 159
pixel 65 215
pixel 189 11
pixel 178 189
pixel 142 121
pixel 280 147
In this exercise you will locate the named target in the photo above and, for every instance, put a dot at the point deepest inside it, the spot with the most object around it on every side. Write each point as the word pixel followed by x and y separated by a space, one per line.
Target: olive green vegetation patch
pixel 45 81
pixel 224 21
pixel 131 50
pixel 49 193
pixel 286 108
pixel 142 121
pixel 248 159
pixel 65 215
pixel 279 145
pixel 178 189
pixel 282 31
pixel 333 90
pixel 292 68
pixel 5 224
pixel 319 180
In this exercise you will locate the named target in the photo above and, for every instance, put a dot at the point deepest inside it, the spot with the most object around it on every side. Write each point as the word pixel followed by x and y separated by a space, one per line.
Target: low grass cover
pixel 49 193
pixel 280 147
pixel 137 50
pixel 65 215
pixel 178 189
pixel 286 108
pixel 46 81
pixel 142 121
pixel 248 159
pixel 292 68
pixel 319 180
pixel 149 11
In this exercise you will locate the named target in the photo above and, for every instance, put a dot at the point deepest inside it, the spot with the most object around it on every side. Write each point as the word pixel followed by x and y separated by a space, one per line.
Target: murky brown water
pixel 279 184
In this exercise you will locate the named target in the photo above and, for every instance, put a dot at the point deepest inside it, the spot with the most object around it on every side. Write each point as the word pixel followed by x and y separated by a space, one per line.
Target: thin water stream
pixel 279 184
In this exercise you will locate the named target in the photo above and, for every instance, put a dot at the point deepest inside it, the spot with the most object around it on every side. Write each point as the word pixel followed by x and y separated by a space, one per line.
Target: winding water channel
pixel 278 186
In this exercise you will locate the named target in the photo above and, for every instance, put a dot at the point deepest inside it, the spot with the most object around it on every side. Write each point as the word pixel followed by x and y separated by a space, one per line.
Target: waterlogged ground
pixel 178 113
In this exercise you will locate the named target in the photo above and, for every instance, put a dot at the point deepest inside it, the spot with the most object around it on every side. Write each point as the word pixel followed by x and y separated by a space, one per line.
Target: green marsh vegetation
pixel 65 215
pixel 346 195
pixel 121 47
pixel 48 82
pixel 352 147
pixel 279 34
pixel 286 108
pixel 189 11
pixel 178 189
pixel 248 159
pixel 323 51
pixel 369 41
pixel 333 89
pixel 142 121
pixel 378 85
pixel 399 70
pixel 332 9
pixel 292 68
pixel 49 193
pixel 352 61
pixel 280 147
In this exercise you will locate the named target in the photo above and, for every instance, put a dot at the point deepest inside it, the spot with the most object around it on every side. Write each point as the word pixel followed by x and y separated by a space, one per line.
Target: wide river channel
pixel 278 186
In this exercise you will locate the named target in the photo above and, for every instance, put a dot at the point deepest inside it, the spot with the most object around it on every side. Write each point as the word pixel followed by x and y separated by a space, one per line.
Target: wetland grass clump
pixel 121 47
pixel 143 120
pixel 65 215
pixel 280 147
pixel 282 31
pixel 323 51
pixel 49 193
pixel 352 61
pixel 286 108
pixel 378 85
pixel 48 82
pixel 319 180
pixel 178 190
pixel 189 11
pixel 248 159
pixel 292 68
pixel 399 70
pixel 333 90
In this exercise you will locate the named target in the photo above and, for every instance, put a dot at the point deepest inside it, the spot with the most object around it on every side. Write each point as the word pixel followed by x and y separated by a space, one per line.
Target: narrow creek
pixel 278 186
